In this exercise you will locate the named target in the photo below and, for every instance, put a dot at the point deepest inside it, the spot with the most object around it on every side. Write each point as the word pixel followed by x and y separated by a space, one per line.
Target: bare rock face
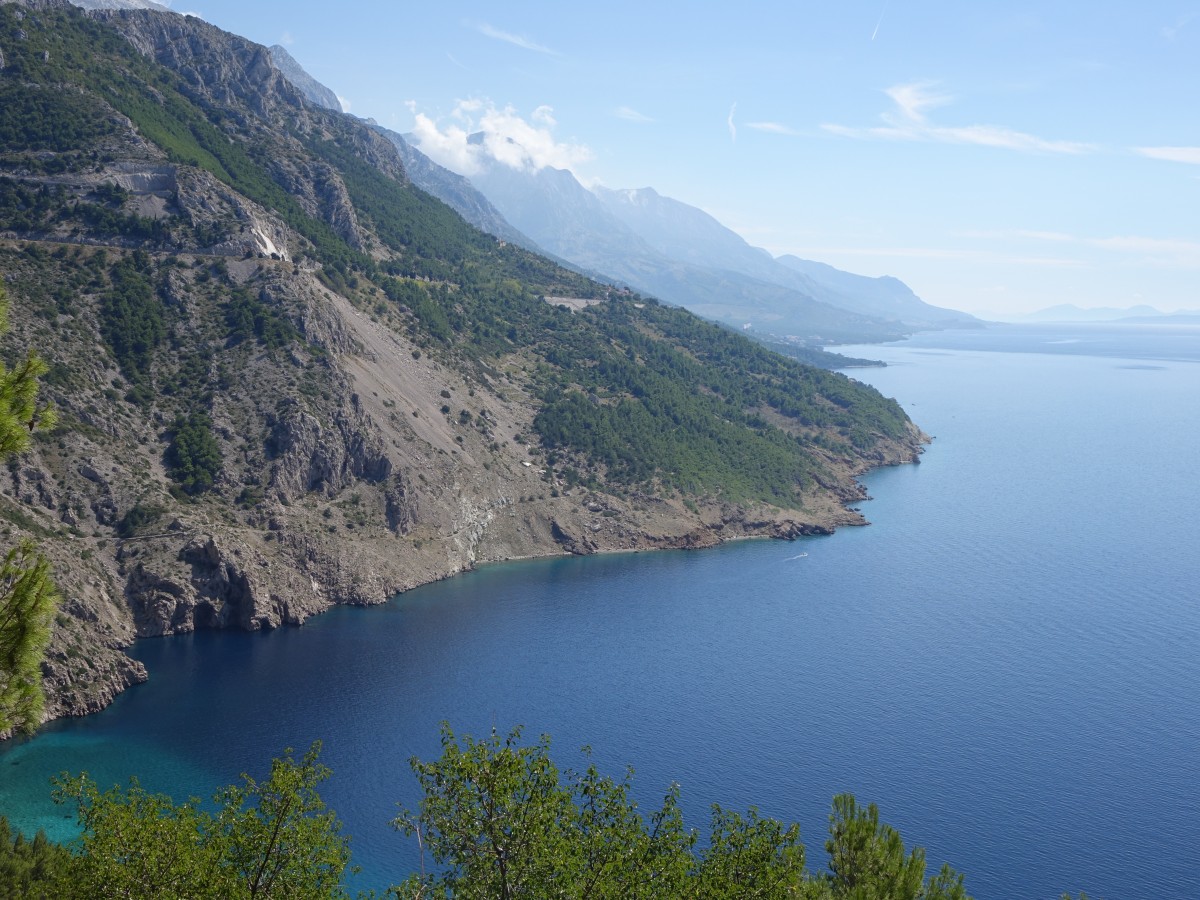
pixel 311 88
pixel 214 582
pixel 228 71
pixel 336 209
pixel 78 690
pixel 225 593
pixel 309 457
pixel 219 66
pixel 211 207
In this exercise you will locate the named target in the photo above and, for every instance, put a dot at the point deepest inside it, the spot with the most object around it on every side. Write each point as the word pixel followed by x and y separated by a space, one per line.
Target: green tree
pixel 501 821
pixel 273 839
pixel 27 595
pixel 194 456
pixel 29 868
pixel 868 862
pixel 277 839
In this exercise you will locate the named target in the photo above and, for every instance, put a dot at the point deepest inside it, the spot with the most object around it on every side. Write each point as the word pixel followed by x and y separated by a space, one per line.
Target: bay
pixel 1005 660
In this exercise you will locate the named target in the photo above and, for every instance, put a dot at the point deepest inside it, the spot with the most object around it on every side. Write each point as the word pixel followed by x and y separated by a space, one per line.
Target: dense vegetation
pixel 501 821
pixel 27 594
pixel 36 118
pixel 249 318
pixel 498 819
pixel 132 322
pixel 32 209
pixel 194 456
pixel 633 393
pixel 28 867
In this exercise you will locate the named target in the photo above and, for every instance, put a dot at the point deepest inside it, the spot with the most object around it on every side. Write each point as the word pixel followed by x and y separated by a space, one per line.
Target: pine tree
pixel 27 595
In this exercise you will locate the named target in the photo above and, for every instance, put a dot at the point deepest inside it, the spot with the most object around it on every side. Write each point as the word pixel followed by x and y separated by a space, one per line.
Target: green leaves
pixel 273 839
pixel 20 414
pixel 29 867
pixel 868 862
pixel 501 821
pixel 276 839
pixel 194 456
pixel 27 595
pixel 136 844
pixel 27 603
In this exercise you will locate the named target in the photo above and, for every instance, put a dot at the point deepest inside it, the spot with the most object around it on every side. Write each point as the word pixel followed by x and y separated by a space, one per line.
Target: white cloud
pixel 913 99
pixel 909 122
pixel 771 127
pixel 505 137
pixel 1170 32
pixel 447 146
pixel 345 103
pixel 516 40
pixel 631 115
pixel 879 21
pixel 1189 155
pixel 732 126
pixel 286 39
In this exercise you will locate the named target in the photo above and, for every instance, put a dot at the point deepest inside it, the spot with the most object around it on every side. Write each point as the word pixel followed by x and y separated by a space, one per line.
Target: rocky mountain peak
pixel 312 89
pixel 120 4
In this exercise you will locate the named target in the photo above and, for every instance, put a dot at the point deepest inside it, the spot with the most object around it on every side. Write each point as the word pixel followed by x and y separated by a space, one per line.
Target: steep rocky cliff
pixel 311 88
pixel 287 379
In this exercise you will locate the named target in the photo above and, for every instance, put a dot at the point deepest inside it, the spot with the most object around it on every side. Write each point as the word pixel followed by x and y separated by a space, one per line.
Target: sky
pixel 999 158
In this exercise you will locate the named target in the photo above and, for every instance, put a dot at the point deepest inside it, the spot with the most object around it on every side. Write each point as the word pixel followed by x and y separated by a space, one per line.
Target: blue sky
pixel 998 157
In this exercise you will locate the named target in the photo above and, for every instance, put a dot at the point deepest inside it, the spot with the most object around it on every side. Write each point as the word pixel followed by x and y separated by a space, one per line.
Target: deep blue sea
pixel 1006 661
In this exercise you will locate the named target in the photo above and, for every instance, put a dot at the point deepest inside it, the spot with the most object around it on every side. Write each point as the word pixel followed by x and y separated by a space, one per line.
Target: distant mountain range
pixel 662 247
pixel 1068 312
pixel 683 255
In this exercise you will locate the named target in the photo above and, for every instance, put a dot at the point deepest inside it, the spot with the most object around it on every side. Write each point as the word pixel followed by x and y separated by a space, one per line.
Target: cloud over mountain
pixel 479 133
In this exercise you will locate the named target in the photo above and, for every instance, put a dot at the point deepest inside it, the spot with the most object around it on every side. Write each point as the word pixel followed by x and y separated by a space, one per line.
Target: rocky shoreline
pixel 189 578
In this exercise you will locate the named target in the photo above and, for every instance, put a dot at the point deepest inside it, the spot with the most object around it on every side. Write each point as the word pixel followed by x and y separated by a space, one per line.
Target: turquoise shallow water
pixel 1005 660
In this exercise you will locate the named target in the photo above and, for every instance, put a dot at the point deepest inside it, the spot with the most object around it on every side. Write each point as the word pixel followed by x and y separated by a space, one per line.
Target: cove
pixel 1004 661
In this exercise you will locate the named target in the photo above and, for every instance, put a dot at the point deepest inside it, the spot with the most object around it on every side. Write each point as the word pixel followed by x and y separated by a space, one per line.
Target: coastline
pixel 201 576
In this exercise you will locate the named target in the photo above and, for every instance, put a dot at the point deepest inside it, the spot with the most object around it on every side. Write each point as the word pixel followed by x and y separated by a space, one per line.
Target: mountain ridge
pixel 557 212
pixel 681 254
pixel 288 378
pixel 295 73
pixel 667 236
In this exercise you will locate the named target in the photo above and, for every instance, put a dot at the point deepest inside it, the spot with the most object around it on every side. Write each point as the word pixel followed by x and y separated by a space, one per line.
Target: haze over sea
pixel 1004 661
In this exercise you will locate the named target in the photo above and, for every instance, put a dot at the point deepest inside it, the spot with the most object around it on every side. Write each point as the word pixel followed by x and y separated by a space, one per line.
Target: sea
pixel 1006 660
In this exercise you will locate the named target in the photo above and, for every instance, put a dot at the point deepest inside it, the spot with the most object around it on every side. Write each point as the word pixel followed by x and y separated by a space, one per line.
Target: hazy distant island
pixel 1139 314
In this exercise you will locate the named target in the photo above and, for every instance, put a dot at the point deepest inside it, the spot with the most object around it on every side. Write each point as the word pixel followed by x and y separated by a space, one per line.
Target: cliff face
pixel 313 90
pixel 280 390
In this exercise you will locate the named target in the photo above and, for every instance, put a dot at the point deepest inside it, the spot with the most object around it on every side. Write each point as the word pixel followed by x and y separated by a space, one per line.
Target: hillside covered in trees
pixel 287 378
